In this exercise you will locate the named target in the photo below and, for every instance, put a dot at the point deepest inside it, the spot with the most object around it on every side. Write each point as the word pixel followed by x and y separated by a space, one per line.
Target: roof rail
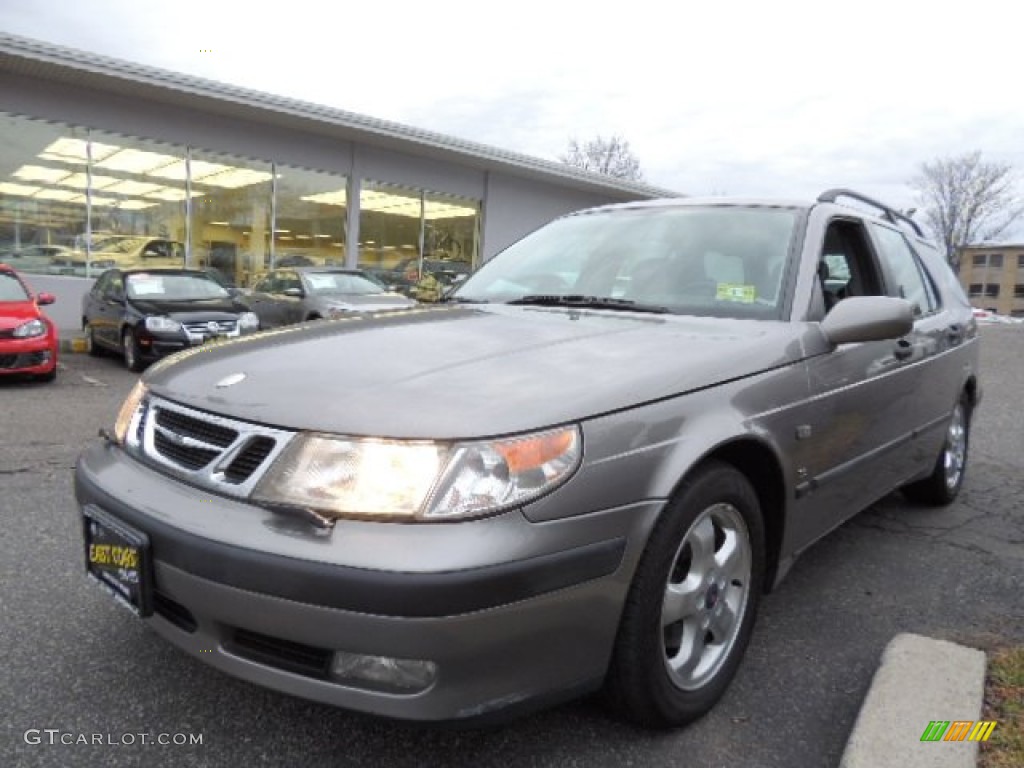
pixel 831 195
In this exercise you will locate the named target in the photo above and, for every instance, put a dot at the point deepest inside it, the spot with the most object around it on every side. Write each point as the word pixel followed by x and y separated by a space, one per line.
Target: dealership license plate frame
pixel 133 586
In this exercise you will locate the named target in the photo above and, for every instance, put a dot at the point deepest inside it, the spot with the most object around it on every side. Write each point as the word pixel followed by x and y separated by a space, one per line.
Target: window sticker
pixel 321 282
pixel 146 285
pixel 745 294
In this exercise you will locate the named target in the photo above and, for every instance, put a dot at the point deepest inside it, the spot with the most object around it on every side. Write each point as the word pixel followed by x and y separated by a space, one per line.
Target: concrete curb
pixel 73 342
pixel 920 679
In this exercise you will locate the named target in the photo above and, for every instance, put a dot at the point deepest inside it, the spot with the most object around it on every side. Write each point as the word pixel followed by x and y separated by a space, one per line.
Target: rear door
pixel 938 330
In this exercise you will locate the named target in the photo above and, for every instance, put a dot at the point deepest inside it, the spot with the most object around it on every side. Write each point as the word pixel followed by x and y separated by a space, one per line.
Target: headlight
pixel 161 324
pixel 483 477
pixel 418 480
pixel 127 412
pixel 30 329
pixel 249 321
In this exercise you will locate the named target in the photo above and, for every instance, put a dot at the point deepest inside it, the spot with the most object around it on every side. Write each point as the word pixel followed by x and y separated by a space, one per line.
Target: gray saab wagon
pixel 581 470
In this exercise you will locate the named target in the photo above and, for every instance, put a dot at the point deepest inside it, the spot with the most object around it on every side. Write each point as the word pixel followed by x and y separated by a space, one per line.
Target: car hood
pixel 459 372
pixel 175 308
pixel 14 313
pixel 367 303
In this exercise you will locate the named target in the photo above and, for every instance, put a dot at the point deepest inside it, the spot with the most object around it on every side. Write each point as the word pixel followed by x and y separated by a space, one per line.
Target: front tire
pixel 90 342
pixel 690 610
pixel 132 353
pixel 943 485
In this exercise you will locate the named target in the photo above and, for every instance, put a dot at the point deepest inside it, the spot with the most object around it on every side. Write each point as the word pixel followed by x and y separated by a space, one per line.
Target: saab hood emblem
pixel 230 381
pixel 212 326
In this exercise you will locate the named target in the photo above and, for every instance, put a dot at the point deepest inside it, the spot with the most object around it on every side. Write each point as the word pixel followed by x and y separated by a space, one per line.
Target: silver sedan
pixel 297 294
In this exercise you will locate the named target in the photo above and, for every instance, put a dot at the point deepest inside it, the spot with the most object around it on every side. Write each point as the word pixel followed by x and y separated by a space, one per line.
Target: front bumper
pixel 513 613
pixel 33 356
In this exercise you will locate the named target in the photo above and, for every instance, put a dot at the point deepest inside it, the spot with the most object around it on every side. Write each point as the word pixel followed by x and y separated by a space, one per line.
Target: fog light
pixel 383 671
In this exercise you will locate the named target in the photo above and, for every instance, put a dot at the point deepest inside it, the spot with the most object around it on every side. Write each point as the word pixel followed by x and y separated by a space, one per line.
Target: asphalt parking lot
pixel 78 664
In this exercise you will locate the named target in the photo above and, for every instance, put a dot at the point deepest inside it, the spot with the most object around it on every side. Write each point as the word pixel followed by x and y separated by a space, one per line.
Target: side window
pixel 845 266
pixel 102 284
pixel 288 280
pixel 905 273
pixel 266 285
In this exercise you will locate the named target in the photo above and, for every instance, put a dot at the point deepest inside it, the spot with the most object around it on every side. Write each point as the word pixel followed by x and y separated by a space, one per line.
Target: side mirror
pixel 114 297
pixel 295 293
pixel 43 299
pixel 868 318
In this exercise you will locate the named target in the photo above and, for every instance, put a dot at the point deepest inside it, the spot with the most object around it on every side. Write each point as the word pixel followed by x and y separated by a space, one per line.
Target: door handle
pixel 902 349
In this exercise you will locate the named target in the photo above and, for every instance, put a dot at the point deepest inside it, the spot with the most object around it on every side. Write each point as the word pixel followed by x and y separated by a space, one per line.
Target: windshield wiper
pixel 590 302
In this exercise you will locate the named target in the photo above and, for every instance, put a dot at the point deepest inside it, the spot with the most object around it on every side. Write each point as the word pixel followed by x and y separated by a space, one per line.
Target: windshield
pixel 11 288
pixel 321 283
pixel 721 261
pixel 173 287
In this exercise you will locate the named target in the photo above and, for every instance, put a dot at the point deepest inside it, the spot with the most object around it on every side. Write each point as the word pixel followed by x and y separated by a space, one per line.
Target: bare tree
pixel 611 156
pixel 967 200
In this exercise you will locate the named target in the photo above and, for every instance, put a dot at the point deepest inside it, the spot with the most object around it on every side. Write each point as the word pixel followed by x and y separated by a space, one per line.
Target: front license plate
pixel 117 556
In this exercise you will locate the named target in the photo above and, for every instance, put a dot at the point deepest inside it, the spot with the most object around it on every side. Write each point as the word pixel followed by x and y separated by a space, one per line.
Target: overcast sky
pixel 749 97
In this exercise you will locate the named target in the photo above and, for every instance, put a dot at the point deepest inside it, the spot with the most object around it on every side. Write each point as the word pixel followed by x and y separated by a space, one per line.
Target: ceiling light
pixel 132 187
pixel 56 194
pixel 233 178
pixel 282 230
pixel 135 161
pixel 220 223
pixel 169 194
pixel 22 190
pixel 39 173
pixel 321 235
pixel 338 197
pixel 134 205
pixel 302 237
pixel 67 150
pixel 81 181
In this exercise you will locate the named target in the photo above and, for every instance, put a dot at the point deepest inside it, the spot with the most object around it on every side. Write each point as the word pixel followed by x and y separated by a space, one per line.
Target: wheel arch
pixel 756 461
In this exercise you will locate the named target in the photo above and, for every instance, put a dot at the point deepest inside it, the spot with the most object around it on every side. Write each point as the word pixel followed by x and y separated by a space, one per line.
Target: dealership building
pixel 97 154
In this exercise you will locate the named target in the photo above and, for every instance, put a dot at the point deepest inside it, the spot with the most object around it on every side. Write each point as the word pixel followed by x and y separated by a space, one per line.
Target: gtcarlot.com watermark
pixel 55 736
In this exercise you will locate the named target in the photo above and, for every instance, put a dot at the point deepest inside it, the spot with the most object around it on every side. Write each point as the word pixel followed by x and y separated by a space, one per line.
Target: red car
pixel 28 338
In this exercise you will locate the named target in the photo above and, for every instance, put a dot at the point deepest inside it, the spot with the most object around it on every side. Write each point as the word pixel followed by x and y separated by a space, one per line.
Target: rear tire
pixel 690 610
pixel 943 485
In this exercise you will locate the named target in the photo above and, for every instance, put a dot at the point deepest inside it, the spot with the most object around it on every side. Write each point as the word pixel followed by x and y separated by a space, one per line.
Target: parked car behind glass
pixel 144 314
pixel 123 251
pixel 580 471
pixel 286 296
pixel 28 338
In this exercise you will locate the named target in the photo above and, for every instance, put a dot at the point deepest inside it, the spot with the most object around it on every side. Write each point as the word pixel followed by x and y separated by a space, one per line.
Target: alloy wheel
pixel 706 595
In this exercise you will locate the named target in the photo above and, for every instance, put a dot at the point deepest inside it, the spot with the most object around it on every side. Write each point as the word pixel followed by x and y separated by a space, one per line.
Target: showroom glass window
pixel 231 215
pixel 138 203
pixel 389 232
pixel 418 241
pixel 451 230
pixel 42 195
pixel 310 218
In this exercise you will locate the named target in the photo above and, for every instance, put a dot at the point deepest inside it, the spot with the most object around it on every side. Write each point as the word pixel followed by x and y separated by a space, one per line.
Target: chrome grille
pixel 197 429
pixel 216 452
pixel 211 327
pixel 254 453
